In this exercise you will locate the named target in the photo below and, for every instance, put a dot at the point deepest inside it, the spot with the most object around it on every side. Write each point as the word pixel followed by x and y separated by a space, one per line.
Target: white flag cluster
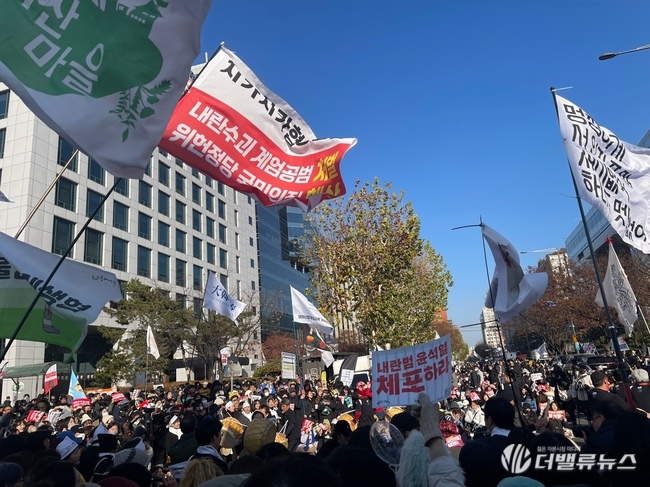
pixel 618 292
pixel 217 299
pixel 305 312
pixel 152 346
pixel 511 290
pixel 611 174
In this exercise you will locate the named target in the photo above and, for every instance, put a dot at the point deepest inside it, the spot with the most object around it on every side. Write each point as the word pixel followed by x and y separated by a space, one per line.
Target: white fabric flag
pixel 611 175
pixel 305 312
pixel 541 350
pixel 115 68
pixel 4 199
pixel 512 290
pixel 327 357
pixel 618 292
pixel 217 299
pixel 152 346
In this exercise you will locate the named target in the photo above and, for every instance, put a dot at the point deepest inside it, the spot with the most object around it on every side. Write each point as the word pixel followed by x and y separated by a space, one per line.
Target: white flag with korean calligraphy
pixel 611 174
pixel 234 129
pixel 305 312
pixel 217 299
pixel 104 74
pixel 70 302
pixel 511 291
pixel 618 292
pixel 152 346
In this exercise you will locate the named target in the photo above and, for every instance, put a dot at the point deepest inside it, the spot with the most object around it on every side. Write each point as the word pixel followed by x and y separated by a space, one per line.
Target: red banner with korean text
pixel 234 129
pixel 400 374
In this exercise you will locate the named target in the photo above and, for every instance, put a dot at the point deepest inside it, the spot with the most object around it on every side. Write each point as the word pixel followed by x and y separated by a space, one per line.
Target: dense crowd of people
pixel 277 432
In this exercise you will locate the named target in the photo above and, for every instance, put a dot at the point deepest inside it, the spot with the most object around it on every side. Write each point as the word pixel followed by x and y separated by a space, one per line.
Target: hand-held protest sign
pixel 610 174
pixel 102 67
pixel 234 129
pixel 400 374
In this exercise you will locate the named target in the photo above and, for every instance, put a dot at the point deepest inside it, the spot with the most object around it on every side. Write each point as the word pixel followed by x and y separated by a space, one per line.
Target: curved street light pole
pixel 610 55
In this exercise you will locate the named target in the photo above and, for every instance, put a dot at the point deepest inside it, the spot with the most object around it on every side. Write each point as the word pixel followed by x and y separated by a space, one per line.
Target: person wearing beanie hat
pixel 132 455
pixel 405 423
pixel 246 416
pixel 174 426
pixel 12 474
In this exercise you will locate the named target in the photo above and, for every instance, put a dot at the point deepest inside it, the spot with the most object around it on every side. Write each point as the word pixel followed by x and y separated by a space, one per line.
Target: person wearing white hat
pixel 174 426
pixel 246 416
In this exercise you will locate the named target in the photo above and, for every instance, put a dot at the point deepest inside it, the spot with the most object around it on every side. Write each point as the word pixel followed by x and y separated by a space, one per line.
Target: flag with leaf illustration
pixel 110 67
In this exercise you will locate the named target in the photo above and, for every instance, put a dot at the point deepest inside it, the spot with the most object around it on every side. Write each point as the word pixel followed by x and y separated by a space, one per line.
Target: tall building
pixel 489 327
pixel 168 229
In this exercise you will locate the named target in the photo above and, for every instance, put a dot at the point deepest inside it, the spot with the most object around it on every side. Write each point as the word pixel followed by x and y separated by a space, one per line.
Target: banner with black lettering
pixel 611 174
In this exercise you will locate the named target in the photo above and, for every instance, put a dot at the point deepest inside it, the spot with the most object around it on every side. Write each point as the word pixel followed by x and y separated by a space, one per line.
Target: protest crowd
pixel 276 432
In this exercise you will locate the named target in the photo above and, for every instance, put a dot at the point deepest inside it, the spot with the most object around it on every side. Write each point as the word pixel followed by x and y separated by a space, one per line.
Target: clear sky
pixel 450 101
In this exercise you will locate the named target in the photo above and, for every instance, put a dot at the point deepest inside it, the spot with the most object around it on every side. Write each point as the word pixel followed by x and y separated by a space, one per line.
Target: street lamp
pixel 610 55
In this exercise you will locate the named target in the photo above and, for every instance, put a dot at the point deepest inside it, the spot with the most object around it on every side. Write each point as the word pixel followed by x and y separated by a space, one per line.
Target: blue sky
pixel 450 101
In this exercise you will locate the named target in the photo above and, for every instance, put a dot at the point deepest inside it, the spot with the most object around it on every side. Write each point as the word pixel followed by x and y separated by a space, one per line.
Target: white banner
pixel 305 312
pixel 224 353
pixel 152 346
pixel 618 292
pixel 217 299
pixel 113 68
pixel 400 374
pixel 611 174
pixel 512 290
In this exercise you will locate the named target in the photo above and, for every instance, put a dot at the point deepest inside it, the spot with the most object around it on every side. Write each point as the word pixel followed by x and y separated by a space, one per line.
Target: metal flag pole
pixel 47 192
pixel 56 268
pixel 610 321
pixel 642 317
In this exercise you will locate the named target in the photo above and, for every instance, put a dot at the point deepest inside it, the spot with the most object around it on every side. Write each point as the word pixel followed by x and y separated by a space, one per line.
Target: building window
pixel 65 153
pixel 163 267
pixel 250 220
pixel 196 193
pixel 120 254
pixel 180 212
pixel 253 285
pixel 66 194
pixel 144 261
pixel 96 172
pixel 221 188
pixel 162 152
pixel 179 163
pixel 4 104
pixel 222 209
pixel 195 173
pixel 196 220
pixel 95 200
pixel 197 278
pixel 208 181
pixel 122 187
pixel 180 240
pixel 163 203
pixel 238 289
pixel 222 234
pixel 210 251
pixel 237 241
pixel 209 202
pixel 237 265
pixel 251 242
pixel 144 226
pixel 223 279
pixel 236 214
pixel 209 227
pixel 250 200
pixel 63 235
pixel 93 246
pixel 198 307
pixel 163 174
pixel 3 136
pixel 120 216
pixel 145 194
pixel 181 299
pixel 163 234
pixel 253 263
pixel 180 184
pixel 197 245
pixel 223 258
pixel 180 272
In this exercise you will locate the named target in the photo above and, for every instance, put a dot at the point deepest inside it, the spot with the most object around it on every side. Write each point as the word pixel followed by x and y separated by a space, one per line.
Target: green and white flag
pixel 71 301
pixel 104 74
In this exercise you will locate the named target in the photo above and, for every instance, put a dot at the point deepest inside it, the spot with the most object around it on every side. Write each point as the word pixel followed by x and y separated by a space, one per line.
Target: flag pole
pixel 47 192
pixel 610 321
pixel 642 317
pixel 193 79
pixel 56 268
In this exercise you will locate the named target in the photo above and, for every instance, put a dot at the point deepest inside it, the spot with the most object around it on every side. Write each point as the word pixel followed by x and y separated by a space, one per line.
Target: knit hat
pixel 85 417
pixel 11 473
pixel 132 455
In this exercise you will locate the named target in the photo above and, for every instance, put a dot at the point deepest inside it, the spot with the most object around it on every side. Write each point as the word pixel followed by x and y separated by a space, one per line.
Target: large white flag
pixel 152 346
pixel 611 174
pixel 217 299
pixel 512 290
pixel 233 128
pixel 71 301
pixel 110 67
pixel 305 312
pixel 618 292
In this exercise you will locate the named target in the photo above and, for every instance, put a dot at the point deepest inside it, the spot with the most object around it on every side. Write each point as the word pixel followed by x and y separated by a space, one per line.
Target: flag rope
pixel 56 268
